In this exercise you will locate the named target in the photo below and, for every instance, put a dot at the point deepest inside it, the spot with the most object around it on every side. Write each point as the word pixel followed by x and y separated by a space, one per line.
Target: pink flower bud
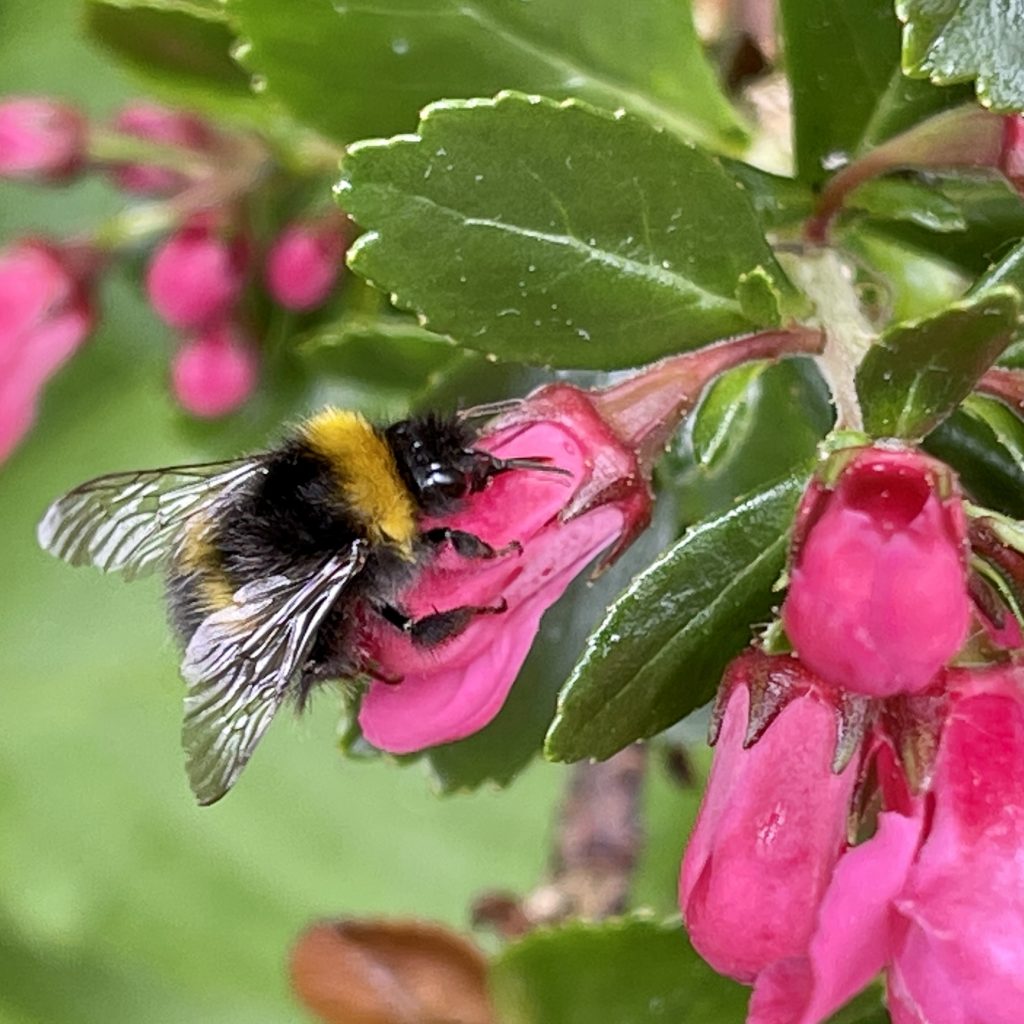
pixel 772 824
pixel 196 276
pixel 214 373
pixel 45 314
pixel 878 600
pixel 40 139
pixel 158 124
pixel 303 264
pixel 560 522
pixel 958 935
pixel 1011 161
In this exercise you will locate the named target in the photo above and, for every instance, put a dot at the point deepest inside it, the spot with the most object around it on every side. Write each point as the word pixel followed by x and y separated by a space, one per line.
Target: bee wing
pixel 240 662
pixel 129 522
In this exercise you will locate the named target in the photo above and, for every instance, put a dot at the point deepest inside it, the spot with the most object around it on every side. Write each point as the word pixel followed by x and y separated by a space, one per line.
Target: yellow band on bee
pixel 367 476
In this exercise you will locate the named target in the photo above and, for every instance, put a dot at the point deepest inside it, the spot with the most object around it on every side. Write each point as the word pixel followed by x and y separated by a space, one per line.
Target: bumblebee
pixel 270 560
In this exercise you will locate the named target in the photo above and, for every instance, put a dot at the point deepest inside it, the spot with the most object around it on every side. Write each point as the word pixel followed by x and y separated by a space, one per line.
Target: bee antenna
pixel 489 409
pixel 541 463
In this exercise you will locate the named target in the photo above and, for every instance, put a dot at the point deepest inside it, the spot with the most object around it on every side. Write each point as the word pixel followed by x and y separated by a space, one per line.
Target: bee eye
pixel 441 483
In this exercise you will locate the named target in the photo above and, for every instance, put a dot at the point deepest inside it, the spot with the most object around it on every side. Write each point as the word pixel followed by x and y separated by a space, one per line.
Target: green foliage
pixel 843 63
pixel 661 649
pixel 919 372
pixel 596 253
pixel 960 40
pixel 632 971
pixel 318 59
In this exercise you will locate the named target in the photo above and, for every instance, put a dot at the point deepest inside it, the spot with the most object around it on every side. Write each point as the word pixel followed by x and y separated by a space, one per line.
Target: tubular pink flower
pixel 606 441
pixel 772 824
pixel 449 692
pixel 196 276
pixel 214 373
pixel 158 124
pixel 303 264
pixel 959 930
pixel 40 139
pixel 878 599
pixel 45 314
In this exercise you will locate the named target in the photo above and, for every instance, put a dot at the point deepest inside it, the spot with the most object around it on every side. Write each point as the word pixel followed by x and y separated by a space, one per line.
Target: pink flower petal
pixel 851 942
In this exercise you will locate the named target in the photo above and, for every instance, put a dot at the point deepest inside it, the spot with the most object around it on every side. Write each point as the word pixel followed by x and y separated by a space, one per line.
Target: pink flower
pixel 196 276
pixel 1011 161
pixel 878 600
pixel 958 934
pixel 772 824
pixel 45 314
pixel 562 522
pixel 303 264
pixel 215 372
pixel 40 139
pixel 158 124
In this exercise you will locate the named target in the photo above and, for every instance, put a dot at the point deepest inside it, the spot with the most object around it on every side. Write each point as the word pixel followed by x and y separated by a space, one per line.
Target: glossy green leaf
pixel 725 413
pixel 840 57
pixel 990 472
pixel 559 234
pixel 917 373
pixel 631 971
pixel 400 55
pixel 778 201
pixel 181 50
pixel 959 40
pixel 1002 421
pixel 661 649
pixel 913 201
pixel 994 213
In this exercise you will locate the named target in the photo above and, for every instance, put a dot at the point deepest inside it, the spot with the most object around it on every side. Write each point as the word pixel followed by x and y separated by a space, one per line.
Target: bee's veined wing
pixel 240 662
pixel 130 522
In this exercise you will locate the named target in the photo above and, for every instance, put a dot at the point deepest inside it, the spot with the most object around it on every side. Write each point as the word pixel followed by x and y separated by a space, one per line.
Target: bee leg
pixel 379 673
pixel 431 630
pixel 469 545
pixel 435 629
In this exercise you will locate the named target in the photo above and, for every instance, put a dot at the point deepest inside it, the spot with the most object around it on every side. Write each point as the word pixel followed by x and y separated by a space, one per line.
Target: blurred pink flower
pixel 773 821
pixel 45 314
pixel 40 139
pixel 1011 161
pixel 303 264
pixel 877 599
pixel 197 275
pixel 216 371
pixel 158 124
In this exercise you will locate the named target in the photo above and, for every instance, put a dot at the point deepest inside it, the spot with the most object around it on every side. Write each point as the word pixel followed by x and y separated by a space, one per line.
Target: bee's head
pixel 437 462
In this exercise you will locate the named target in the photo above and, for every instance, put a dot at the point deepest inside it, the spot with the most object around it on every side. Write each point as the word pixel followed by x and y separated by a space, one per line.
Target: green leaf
pixel 848 93
pixel 840 58
pixel 909 200
pixel 724 413
pixel 959 40
pixel 990 472
pixel 918 372
pixel 559 234
pixel 1004 423
pixel 630 971
pixel 362 69
pixel 181 50
pixel 779 202
pixel 660 652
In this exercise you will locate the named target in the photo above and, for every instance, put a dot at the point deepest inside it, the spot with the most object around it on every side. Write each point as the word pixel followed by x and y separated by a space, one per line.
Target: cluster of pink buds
pixel 865 809
pixel 202 277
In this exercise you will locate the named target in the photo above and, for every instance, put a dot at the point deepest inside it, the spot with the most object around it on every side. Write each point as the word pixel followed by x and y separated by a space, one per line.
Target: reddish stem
pixel 1006 385
pixel 645 410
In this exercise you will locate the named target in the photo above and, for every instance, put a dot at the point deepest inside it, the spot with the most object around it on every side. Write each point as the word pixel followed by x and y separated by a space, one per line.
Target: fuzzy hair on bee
pixel 270 560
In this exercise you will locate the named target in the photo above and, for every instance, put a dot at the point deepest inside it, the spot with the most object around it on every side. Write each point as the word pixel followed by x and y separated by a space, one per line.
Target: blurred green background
pixel 120 900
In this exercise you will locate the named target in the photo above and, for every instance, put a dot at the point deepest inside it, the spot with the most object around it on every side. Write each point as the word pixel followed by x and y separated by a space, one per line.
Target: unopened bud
pixel 196 276
pixel 303 264
pixel 215 372
pixel 158 124
pixel 40 139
